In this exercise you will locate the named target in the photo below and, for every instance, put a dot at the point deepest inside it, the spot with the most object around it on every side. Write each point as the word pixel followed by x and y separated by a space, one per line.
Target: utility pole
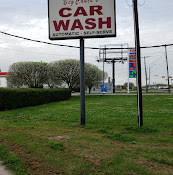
pixel 167 68
pixel 113 75
pixel 104 58
pixel 149 77
pixel 138 61
pixel 146 75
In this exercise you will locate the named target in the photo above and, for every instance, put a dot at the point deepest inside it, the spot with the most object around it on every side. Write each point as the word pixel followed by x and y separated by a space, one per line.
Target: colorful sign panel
pixel 72 19
pixel 103 88
pixel 132 63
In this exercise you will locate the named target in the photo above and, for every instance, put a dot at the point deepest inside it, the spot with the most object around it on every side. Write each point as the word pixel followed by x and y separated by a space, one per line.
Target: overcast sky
pixel 29 18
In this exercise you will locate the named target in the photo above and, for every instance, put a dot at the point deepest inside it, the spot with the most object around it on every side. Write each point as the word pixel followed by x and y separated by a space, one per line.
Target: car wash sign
pixel 72 19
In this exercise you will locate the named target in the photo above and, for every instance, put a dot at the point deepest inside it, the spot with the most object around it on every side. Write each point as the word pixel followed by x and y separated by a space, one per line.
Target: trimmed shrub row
pixel 22 97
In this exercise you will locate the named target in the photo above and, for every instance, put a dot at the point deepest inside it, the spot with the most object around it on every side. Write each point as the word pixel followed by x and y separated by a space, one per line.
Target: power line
pixel 157 59
pixel 138 3
pixel 142 3
pixel 44 53
pixel 77 47
pixel 157 52
pixel 128 4
pixel 44 42
pixel 34 52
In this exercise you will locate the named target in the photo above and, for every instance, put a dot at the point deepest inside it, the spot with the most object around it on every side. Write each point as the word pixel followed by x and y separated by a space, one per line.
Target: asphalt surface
pixel 3 170
pixel 78 94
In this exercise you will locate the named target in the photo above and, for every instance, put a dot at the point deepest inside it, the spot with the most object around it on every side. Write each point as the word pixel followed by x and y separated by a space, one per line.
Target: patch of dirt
pixel 59 138
pixel 34 165
pixel 154 166
pixel 94 153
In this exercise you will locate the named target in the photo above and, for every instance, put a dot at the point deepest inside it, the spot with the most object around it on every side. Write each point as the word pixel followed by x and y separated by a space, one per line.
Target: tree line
pixel 54 74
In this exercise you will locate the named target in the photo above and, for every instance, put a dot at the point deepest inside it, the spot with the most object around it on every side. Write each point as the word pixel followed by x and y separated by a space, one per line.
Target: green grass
pixel 13 162
pixel 121 137
pixel 48 139
pixel 56 146
pixel 141 130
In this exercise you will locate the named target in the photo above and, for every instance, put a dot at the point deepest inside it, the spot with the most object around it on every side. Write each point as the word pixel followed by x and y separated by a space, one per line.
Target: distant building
pixel 97 89
pixel 3 80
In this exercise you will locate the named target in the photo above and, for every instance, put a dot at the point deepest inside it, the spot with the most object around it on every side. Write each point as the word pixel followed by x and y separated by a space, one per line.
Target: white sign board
pixel 70 19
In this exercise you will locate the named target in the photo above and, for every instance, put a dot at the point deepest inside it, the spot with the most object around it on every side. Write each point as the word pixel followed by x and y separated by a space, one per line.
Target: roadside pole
pixel 167 69
pixel 113 75
pixel 104 56
pixel 82 82
pixel 146 75
pixel 128 91
pixel 138 62
pixel 149 76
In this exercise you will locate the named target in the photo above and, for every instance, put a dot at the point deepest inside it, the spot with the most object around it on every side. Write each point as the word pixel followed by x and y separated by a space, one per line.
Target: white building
pixel 3 80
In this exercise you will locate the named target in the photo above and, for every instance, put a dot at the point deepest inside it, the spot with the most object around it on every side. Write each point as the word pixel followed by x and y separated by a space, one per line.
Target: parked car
pixel 163 87
pixel 154 87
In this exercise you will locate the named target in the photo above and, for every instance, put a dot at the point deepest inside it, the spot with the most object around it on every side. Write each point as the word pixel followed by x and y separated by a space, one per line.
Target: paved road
pixel 3 170
pixel 78 94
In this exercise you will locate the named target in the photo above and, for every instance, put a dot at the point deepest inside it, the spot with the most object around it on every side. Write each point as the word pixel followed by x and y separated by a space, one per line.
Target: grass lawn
pixel 48 139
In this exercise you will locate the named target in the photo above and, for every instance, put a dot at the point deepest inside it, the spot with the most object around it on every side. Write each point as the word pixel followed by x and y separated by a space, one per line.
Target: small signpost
pixel 103 88
pixel 79 19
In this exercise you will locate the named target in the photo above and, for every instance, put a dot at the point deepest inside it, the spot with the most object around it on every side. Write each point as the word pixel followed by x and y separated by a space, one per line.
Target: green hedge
pixel 22 97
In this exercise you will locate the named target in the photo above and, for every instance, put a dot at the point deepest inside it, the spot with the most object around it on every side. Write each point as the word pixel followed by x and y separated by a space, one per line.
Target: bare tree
pixel 53 78
pixel 67 70
pixel 14 80
pixel 32 74
pixel 93 75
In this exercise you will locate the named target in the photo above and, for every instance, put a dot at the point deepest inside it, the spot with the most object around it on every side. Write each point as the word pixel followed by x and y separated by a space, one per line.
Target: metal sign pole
pixel 104 52
pixel 128 67
pixel 146 75
pixel 167 69
pixel 113 74
pixel 138 61
pixel 82 82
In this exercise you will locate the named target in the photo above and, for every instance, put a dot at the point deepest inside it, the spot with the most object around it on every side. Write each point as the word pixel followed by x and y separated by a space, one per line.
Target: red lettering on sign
pixel 90 21
pixel 77 25
pixel 61 12
pixel 96 9
pixel 65 12
pixel 61 23
pixel 80 11
pixel 132 60
pixel 108 22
